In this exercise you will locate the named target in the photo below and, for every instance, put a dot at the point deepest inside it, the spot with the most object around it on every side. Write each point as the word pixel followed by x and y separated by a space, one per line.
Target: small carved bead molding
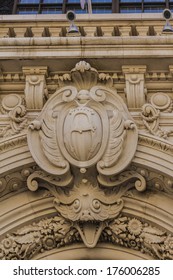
pixel 56 232
pixel 15 181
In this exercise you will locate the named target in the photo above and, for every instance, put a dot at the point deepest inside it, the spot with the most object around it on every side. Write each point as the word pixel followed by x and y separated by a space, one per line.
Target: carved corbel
pixel 35 89
pixel 135 81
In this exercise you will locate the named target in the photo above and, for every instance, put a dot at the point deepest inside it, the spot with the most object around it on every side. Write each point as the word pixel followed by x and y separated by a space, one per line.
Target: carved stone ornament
pixel 83 128
pixel 87 206
pixel 56 232
pixel 150 116
pixel 82 140
pixel 13 107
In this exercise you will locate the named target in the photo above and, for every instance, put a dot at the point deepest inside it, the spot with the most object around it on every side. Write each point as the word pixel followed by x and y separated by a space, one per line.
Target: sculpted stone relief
pixel 83 128
pixel 83 142
pixel 56 232
pixel 83 139
pixel 13 106
pixel 159 102
pixel 14 181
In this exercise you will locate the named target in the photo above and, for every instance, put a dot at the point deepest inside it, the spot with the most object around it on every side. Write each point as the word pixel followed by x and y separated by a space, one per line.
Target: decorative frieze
pixel 56 232
pixel 14 181
pixel 155 181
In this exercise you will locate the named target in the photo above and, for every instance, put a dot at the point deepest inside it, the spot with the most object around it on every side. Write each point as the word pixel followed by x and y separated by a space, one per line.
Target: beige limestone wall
pixel 86 149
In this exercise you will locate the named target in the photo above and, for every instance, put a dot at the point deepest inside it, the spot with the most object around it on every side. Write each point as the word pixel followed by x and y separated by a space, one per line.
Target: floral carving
pixel 150 116
pixel 33 239
pixel 55 232
pixel 138 235
pixel 14 107
pixel 135 226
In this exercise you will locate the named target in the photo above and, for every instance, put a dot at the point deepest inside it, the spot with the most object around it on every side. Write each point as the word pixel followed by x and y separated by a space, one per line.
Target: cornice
pixel 143 41
pixel 83 17
pixel 103 251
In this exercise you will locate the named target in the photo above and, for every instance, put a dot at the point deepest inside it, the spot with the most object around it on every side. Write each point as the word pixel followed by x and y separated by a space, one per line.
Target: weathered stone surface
pixel 86 139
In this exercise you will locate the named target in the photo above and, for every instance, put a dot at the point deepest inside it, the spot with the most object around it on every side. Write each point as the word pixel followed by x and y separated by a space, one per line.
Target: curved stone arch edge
pixel 34 208
pixel 151 151
pixel 102 251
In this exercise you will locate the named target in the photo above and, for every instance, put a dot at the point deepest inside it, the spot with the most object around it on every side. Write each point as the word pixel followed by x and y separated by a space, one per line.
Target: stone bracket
pixel 35 89
pixel 135 90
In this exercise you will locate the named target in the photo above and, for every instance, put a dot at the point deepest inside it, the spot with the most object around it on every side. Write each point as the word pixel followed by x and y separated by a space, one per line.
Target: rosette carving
pixel 56 232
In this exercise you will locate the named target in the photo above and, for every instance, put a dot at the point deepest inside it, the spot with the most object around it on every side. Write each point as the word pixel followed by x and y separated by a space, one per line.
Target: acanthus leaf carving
pixel 151 120
pixel 124 178
pixel 14 108
pixel 116 140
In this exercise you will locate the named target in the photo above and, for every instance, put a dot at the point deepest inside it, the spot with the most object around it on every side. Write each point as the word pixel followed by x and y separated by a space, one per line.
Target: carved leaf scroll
pixel 49 142
pixel 116 140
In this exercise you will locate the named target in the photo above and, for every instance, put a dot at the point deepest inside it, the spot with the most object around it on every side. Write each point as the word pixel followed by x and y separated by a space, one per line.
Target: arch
pixel 100 252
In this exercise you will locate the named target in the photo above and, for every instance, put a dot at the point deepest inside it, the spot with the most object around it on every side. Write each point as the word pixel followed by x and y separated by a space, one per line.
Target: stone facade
pixel 86 138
